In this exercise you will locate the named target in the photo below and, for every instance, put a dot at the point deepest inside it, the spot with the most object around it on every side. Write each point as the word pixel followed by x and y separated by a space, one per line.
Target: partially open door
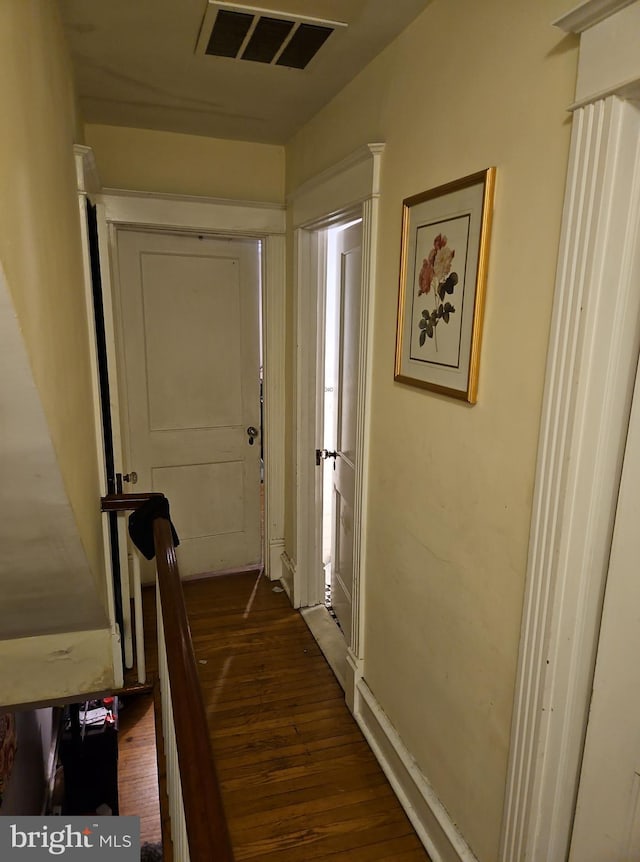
pixel 342 460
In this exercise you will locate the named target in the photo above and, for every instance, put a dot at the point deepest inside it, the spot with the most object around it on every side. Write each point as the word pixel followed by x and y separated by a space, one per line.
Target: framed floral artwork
pixel 443 271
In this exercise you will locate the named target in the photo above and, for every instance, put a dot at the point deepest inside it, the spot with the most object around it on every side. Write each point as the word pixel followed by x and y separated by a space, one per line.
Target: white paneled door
pixel 607 821
pixel 349 256
pixel 189 311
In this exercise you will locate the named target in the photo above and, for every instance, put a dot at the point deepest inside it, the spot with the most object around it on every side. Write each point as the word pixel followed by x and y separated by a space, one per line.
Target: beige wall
pixel 40 244
pixel 467 86
pixel 153 161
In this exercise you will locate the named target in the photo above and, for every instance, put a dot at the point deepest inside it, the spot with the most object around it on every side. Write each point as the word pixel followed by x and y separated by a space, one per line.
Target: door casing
pixel 88 185
pixel 345 192
pixel 217 218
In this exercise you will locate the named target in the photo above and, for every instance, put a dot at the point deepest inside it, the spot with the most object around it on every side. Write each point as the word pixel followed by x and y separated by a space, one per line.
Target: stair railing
pixel 198 824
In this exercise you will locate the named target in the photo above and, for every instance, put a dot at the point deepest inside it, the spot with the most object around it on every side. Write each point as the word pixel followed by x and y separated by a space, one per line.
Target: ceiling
pixel 136 64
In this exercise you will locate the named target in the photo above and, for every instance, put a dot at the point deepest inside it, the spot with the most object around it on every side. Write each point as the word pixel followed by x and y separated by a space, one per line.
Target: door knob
pixel 252 433
pixel 323 454
pixel 130 477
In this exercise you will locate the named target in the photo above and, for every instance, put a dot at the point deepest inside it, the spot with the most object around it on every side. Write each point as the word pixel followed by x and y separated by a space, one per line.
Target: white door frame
pixel 593 354
pixel 349 189
pixel 88 184
pixel 222 218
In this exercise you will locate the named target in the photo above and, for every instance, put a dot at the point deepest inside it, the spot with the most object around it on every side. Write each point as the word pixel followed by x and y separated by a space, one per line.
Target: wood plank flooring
pixel 142 784
pixel 299 781
pixel 137 767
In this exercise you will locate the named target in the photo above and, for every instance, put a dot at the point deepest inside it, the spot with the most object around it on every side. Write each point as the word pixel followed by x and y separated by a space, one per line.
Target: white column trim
pixel 608 59
pixel 593 354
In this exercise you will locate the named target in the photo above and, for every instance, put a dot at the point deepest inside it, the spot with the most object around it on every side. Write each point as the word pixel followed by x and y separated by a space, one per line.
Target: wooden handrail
pixel 207 829
pixel 125 502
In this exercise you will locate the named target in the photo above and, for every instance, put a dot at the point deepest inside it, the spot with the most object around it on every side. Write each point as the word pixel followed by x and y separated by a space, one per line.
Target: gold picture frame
pixel 443 272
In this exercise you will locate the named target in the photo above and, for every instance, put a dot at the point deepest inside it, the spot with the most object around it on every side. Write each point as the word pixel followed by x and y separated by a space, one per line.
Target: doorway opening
pixel 339 373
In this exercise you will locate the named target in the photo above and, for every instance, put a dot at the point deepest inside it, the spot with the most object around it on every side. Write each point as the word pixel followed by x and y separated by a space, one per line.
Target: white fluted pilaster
pixel 591 365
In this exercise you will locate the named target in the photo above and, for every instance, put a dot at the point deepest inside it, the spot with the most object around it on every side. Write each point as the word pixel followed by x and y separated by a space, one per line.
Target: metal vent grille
pixel 304 45
pixel 267 39
pixel 262 36
pixel 228 36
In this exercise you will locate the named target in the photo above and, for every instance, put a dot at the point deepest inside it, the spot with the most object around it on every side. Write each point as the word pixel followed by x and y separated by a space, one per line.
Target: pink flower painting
pixel 437 279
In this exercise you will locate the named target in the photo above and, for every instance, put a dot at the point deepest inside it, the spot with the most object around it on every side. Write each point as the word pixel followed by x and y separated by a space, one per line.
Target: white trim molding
pixel 273 391
pixel 309 267
pixel 119 208
pixel 188 212
pixel 363 423
pixel 273 559
pixel 593 355
pixel 429 817
pixel 87 177
pixel 608 62
pixel 288 574
pixel 586 15
pixel 340 188
pixel 88 183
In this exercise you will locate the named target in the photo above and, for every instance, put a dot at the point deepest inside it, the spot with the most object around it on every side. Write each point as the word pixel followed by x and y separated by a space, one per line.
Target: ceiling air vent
pixel 262 35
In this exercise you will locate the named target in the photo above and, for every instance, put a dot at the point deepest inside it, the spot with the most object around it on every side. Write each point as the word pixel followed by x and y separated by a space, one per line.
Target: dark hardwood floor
pixel 299 782
pixel 142 786
pixel 137 768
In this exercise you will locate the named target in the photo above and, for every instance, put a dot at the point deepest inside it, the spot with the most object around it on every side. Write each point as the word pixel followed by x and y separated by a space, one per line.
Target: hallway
pixel 299 781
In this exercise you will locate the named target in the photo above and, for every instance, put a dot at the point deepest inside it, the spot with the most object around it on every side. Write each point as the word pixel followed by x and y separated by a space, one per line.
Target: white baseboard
pixel 353 675
pixel 427 814
pixel 274 559
pixel 288 573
